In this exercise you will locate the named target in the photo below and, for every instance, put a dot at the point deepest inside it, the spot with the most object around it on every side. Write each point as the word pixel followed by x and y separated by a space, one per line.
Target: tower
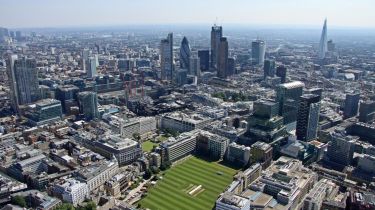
pixel 269 68
pixel 185 53
pixel 323 41
pixel 91 70
pixel 88 104
pixel 222 64
pixel 166 57
pixel 216 34
pixel 308 117
pixel 258 51
pixel 351 105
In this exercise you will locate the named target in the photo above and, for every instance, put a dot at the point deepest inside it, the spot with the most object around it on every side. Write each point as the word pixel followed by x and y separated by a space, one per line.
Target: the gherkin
pixel 185 53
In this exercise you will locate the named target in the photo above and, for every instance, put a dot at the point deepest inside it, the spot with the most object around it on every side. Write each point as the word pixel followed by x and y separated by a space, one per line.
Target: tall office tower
pixel 88 104
pixel 23 77
pixel 281 72
pixel 367 111
pixel 266 124
pixel 181 77
pixel 231 70
pixel 331 46
pixel 222 64
pixel 4 34
pixel 204 57
pixel 166 56
pixel 269 68
pixel 12 34
pixel 288 96
pixel 18 36
pixel 216 34
pixel 194 66
pixel 85 59
pixel 185 53
pixel 308 117
pixel 351 105
pixel 323 41
pixel 341 148
pixel 67 94
pixel 91 70
pixel 258 51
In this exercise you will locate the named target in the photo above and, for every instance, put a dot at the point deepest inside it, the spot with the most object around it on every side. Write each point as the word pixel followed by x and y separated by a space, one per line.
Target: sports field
pixel 192 184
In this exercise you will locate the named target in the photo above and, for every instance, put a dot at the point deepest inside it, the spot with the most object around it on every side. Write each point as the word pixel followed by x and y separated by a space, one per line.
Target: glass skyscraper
pixel 166 56
pixel 216 34
pixel 185 53
pixel 258 51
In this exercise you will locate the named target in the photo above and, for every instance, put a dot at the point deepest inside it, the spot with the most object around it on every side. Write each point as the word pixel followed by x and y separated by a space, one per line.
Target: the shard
pixel 323 41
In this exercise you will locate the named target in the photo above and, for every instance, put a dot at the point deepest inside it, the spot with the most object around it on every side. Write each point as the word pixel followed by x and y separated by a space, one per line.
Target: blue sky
pixel 65 13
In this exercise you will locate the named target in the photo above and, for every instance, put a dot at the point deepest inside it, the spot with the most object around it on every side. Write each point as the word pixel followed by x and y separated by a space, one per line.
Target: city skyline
pixel 117 13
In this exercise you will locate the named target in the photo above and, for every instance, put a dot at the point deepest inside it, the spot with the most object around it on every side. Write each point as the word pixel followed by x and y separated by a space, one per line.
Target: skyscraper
pixel 281 72
pixel 258 51
pixel 323 41
pixel 288 96
pixel 88 104
pixel 91 69
pixel 222 64
pixel 85 59
pixel 194 66
pixel 308 117
pixel 269 68
pixel 216 34
pixel 204 57
pixel 23 77
pixel 166 56
pixel 185 53
pixel 367 111
pixel 351 105
pixel 231 69
pixel 341 148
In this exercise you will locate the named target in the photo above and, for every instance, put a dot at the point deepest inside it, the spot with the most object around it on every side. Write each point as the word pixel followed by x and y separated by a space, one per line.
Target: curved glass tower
pixel 323 41
pixel 185 53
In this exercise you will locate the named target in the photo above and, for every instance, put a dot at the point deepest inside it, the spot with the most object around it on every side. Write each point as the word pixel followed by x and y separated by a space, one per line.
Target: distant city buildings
pixel 258 50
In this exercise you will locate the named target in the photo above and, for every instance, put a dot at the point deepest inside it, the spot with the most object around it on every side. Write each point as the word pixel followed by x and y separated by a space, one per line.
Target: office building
pixel 367 111
pixel 212 144
pixel 23 79
pixel 261 153
pixel 341 148
pixel 231 69
pixel 88 104
pixel 166 58
pixel 258 51
pixel 269 68
pixel 351 105
pixel 230 201
pixel 92 64
pixel 185 54
pixel 44 111
pixel 281 72
pixel 125 150
pixel 222 58
pixel 216 35
pixel 85 59
pixel 4 34
pixel 288 96
pixel 287 181
pixel 183 122
pixel 321 192
pixel 181 77
pixel 323 42
pixel 140 125
pixel 239 154
pixel 71 191
pixel 331 46
pixel 204 59
pixel 194 66
pixel 176 148
pixel 67 94
pixel 265 124
pixel 308 117
pixel 33 165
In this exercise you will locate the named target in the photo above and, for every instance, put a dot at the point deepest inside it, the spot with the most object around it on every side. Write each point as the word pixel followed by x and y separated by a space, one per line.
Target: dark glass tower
pixel 204 57
pixel 185 53
pixel 281 72
pixel 166 56
pixel 351 105
pixel 258 51
pixel 216 34
pixel 269 68
pixel 308 117
pixel 222 64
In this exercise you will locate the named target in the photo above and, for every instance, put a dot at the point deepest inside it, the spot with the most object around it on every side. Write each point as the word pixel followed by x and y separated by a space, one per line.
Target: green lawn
pixel 148 145
pixel 172 192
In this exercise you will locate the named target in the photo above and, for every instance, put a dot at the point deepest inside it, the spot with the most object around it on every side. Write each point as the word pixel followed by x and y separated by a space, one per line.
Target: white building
pixel 72 191
pixel 229 201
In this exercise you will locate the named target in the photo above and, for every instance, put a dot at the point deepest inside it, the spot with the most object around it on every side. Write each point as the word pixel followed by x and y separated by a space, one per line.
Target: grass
pixel 171 192
pixel 148 145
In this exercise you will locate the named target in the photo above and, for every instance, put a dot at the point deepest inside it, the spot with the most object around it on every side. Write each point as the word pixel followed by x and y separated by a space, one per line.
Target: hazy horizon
pixel 112 13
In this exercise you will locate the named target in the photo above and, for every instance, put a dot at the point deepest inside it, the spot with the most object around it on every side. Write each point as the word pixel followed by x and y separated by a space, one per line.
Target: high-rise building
pixel 231 70
pixel 4 34
pixel 281 72
pixel 91 70
pixel 166 57
pixel 181 77
pixel 258 51
pixel 216 34
pixel 85 59
pixel 323 41
pixel 331 46
pixel 222 64
pixel 288 96
pixel 23 78
pixel 67 94
pixel 269 68
pixel 261 153
pixel 88 104
pixel 341 148
pixel 308 117
pixel 204 57
pixel 351 105
pixel 18 36
pixel 367 111
pixel 185 53
pixel 194 66
pixel 44 111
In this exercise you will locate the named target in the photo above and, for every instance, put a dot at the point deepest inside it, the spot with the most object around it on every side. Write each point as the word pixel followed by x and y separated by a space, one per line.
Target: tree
pixel 65 206
pixel 147 174
pixel 19 201
pixel 137 136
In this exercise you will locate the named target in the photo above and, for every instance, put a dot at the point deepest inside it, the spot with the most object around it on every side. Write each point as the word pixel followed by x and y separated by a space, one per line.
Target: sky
pixel 88 13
